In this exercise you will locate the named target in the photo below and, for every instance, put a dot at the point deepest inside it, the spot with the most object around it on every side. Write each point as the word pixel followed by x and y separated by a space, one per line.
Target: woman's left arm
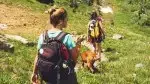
pixel 101 27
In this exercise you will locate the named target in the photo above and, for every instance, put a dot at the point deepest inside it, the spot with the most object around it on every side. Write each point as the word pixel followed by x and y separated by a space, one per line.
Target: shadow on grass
pixel 46 1
pixel 113 58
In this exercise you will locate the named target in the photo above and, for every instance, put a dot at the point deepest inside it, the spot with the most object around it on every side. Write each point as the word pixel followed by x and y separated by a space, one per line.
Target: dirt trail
pixel 21 21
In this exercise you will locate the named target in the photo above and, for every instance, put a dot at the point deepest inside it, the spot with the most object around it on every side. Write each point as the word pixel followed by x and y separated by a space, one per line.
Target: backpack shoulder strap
pixel 45 36
pixel 61 36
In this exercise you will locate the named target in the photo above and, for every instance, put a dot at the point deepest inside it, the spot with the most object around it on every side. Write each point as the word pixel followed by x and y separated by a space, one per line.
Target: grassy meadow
pixel 133 49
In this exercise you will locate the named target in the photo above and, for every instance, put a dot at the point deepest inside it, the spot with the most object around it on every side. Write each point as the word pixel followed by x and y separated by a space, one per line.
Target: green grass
pixel 29 4
pixel 16 68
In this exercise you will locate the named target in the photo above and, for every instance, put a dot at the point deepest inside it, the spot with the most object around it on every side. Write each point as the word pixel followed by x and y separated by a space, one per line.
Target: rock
pixel 134 75
pixel 103 58
pixel 7 47
pixel 106 9
pixel 117 36
pixel 116 53
pixel 16 37
pixel 3 26
pixel 140 65
pixel 96 63
pixel 4 45
pixel 20 39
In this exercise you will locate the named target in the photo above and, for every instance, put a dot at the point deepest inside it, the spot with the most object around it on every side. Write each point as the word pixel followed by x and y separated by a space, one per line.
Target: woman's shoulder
pixel 68 35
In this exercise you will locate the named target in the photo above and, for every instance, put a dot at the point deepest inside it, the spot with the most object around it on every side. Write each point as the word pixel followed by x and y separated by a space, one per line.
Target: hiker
pixel 58 21
pixel 96 33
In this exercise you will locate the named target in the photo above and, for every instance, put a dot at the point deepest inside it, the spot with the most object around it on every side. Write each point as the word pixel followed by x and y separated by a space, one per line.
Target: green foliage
pixel 29 4
pixel 140 10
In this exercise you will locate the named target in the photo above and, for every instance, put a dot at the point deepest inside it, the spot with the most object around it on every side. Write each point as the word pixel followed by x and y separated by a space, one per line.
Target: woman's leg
pixel 98 51
pixel 72 79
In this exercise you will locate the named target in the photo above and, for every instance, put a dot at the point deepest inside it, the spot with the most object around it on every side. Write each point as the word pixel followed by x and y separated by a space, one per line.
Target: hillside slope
pixel 129 60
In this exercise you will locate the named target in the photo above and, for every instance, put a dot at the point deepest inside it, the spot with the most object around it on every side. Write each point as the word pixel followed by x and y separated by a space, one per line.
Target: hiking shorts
pixel 72 79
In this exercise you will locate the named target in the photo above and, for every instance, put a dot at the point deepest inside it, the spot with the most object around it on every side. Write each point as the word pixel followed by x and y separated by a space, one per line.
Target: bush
pixel 140 11
pixel 143 19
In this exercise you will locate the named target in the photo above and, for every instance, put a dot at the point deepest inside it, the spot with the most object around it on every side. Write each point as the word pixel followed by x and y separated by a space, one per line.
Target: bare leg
pixel 98 51
pixel 83 64
pixel 90 66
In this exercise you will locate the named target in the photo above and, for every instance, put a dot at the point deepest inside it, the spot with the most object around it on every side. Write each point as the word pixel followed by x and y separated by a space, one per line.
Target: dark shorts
pixel 95 40
pixel 72 79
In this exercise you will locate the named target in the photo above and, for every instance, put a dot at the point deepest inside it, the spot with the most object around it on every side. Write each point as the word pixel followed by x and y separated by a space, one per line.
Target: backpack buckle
pixel 57 67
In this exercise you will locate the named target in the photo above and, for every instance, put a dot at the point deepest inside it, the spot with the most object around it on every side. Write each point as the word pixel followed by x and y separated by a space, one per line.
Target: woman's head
pixel 58 17
pixel 93 15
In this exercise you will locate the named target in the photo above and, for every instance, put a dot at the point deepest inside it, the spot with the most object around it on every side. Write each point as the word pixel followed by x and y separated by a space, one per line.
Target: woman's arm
pixel 35 65
pixel 34 77
pixel 74 53
pixel 101 27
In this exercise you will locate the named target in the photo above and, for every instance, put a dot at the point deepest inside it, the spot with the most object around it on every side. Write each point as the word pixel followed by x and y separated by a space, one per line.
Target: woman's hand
pixel 34 79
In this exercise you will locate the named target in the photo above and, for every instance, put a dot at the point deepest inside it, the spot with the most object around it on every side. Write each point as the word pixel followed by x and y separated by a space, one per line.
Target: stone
pixel 106 9
pixel 4 45
pixel 117 37
pixel 20 39
pixel 139 65
pixel 3 26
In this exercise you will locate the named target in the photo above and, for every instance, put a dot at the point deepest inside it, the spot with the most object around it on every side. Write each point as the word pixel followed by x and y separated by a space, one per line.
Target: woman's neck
pixel 52 28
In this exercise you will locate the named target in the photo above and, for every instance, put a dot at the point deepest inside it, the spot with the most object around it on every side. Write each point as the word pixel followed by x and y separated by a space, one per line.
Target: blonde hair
pixel 57 14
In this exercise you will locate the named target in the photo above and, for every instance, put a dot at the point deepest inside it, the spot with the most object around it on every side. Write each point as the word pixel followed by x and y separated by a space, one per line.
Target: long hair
pixel 93 16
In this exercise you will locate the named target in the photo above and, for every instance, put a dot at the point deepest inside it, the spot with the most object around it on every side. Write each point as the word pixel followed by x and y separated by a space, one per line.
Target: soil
pixel 21 21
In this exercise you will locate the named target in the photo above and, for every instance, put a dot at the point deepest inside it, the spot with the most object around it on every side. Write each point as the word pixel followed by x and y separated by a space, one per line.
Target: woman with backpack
pixel 58 21
pixel 96 33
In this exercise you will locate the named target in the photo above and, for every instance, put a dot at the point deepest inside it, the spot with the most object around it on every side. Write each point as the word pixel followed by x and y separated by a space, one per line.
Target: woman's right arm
pixel 35 70
pixel 74 53
pixel 34 77
pixel 35 65
pixel 69 42
pixel 101 27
